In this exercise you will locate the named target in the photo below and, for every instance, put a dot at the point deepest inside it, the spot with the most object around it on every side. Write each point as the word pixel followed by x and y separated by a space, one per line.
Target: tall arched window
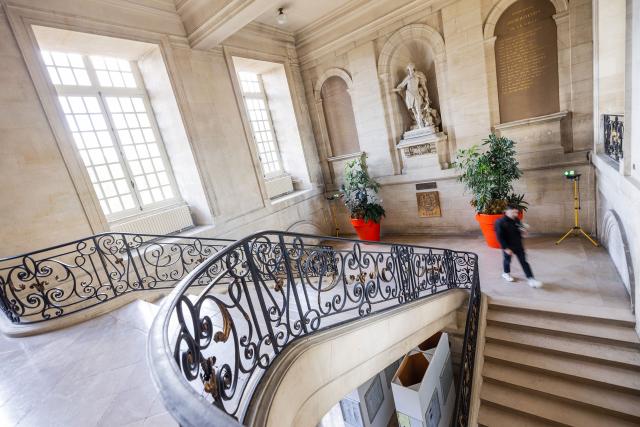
pixel 338 112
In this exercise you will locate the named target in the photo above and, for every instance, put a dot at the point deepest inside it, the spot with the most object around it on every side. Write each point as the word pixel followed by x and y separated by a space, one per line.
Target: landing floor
pixel 95 373
pixel 576 274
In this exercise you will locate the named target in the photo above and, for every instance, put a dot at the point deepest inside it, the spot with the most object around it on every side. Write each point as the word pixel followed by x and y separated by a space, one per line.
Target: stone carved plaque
pixel 428 204
pixel 418 150
pixel 527 61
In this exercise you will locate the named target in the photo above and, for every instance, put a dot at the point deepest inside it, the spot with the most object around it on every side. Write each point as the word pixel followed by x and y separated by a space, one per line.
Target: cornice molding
pixel 214 22
pixel 343 10
pixel 275 33
pixel 89 25
pixel 153 6
pixel 334 21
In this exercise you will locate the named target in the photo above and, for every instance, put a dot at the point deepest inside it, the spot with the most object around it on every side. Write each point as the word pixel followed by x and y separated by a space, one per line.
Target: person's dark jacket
pixel 508 233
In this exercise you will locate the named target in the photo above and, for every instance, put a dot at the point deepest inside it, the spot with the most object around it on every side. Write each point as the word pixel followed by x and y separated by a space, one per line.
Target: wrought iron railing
pixel 613 135
pixel 78 275
pixel 263 292
pixel 467 362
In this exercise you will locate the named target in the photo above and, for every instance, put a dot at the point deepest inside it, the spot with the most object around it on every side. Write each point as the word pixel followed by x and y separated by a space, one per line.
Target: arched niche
pixel 336 121
pixel 423 46
pixel 498 22
pixel 339 117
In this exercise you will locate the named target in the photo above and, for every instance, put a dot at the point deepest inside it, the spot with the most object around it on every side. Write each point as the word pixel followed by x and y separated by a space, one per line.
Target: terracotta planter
pixel 367 230
pixel 487 222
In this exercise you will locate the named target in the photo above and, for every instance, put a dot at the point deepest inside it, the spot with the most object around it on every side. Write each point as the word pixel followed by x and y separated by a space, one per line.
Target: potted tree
pixel 489 174
pixel 360 194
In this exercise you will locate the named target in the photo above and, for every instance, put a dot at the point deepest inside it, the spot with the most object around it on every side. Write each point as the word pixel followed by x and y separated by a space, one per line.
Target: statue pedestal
pixel 422 148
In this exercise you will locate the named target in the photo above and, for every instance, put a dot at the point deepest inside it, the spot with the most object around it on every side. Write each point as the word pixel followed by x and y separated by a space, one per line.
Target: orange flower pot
pixel 487 226
pixel 367 230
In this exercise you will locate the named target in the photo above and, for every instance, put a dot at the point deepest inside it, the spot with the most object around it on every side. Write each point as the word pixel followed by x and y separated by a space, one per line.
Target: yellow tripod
pixel 576 210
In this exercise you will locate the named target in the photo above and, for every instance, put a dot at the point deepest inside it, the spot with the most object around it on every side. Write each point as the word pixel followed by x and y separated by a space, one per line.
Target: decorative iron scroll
pixel 267 290
pixel 613 136
pixel 467 364
pixel 74 276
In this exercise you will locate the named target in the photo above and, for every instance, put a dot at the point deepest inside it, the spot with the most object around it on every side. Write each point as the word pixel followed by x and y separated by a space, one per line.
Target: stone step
pixel 584 370
pixel 610 315
pixel 614 402
pixel 581 327
pixel 496 416
pixel 565 345
pixel 548 408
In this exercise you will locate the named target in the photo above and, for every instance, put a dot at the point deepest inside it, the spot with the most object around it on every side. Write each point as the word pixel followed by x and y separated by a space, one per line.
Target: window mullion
pixel 119 151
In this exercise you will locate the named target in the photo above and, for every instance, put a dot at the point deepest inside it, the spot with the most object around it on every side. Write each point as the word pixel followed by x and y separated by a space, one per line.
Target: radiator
pixel 164 221
pixel 278 186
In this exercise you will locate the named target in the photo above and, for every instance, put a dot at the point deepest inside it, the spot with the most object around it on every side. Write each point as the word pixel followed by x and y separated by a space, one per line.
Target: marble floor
pixel 576 275
pixel 95 373
pixel 91 374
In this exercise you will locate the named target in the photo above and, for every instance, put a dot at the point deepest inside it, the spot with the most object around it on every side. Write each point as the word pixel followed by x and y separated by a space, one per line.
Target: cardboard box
pixel 371 404
pixel 423 390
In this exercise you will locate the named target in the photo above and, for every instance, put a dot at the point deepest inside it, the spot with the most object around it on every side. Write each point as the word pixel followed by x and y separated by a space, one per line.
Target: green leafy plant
pixel 360 191
pixel 488 172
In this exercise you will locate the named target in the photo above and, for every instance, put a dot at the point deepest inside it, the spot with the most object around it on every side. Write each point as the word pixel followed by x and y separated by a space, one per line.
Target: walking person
pixel 510 231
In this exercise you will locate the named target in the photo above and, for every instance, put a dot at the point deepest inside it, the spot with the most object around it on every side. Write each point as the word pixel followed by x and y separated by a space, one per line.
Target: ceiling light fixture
pixel 281 18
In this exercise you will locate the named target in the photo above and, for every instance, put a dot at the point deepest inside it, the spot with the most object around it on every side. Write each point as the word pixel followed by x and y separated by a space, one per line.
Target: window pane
pixel 77 105
pixel 53 74
pixel 66 69
pixel 91 128
pixel 141 150
pixel 257 112
pixel 82 77
pixel 90 139
pixel 92 104
pixel 46 58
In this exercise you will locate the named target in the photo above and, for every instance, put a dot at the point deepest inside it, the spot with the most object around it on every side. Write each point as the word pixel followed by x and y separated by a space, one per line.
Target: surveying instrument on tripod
pixel 575 177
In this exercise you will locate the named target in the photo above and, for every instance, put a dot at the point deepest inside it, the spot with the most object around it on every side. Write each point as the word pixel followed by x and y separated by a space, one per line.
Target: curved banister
pixel 67 278
pixel 208 352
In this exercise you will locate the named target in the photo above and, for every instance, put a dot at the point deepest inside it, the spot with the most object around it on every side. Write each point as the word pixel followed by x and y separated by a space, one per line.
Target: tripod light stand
pixel 575 177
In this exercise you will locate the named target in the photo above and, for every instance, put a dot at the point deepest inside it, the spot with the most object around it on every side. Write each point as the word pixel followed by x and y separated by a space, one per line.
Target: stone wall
pixel 40 206
pixel 465 70
pixel 618 87
pixel 43 203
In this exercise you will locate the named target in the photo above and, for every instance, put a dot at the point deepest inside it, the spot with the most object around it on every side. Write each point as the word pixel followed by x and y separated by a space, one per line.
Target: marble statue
pixel 416 98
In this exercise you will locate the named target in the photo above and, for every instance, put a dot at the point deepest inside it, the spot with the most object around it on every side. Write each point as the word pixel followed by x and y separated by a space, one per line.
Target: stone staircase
pixel 552 367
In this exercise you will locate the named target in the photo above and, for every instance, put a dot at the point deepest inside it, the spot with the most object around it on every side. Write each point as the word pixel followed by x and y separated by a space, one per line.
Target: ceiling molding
pixel 156 7
pixel 205 33
pixel 274 33
pixel 331 17
pixel 305 43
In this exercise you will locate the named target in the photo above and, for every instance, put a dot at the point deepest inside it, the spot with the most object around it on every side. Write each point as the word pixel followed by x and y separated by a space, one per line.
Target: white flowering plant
pixel 360 192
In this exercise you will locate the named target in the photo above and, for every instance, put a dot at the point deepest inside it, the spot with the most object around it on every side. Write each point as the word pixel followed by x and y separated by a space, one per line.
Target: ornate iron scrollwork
pixel 613 135
pixel 273 288
pixel 75 276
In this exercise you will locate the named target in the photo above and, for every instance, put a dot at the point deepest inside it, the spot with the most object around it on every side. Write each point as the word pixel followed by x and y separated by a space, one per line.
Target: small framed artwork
pixel 428 204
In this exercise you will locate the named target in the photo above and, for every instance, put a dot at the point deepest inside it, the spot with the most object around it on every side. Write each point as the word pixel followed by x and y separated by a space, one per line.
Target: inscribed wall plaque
pixel 527 61
pixel 428 204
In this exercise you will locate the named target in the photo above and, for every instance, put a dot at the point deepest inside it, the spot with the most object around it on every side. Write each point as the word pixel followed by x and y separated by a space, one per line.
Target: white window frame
pixel 101 93
pixel 262 95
